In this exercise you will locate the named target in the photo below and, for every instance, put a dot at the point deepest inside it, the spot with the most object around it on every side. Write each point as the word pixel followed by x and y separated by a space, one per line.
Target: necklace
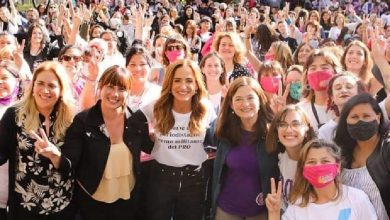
pixel 135 101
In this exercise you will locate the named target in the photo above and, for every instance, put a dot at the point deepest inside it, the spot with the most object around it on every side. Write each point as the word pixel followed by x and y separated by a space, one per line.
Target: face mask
pixel 318 80
pixel 295 90
pixel 174 55
pixel 269 57
pixel 8 99
pixel 270 83
pixel 363 130
pixel 320 175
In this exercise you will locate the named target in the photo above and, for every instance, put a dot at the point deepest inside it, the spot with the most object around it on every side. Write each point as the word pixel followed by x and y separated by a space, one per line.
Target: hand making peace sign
pixel 45 148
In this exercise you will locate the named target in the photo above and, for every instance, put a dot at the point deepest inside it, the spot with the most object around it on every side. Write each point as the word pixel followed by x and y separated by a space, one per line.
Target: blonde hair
pixel 163 108
pixel 27 114
pixel 239 55
pixel 7 52
pixel 283 54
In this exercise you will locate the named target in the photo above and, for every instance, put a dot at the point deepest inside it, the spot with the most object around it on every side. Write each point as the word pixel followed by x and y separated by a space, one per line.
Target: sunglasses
pixel 75 58
pixel 175 47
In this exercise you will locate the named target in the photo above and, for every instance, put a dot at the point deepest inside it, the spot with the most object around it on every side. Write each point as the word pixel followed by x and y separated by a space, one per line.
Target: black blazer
pixel 86 147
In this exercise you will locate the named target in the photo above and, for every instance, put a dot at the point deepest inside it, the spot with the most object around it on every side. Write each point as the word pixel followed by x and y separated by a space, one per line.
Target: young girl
pixel 319 69
pixel 288 132
pixel 214 73
pixel 294 82
pixel 317 192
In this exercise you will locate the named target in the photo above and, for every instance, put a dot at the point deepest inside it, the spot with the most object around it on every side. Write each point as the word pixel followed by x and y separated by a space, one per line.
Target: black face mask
pixel 362 130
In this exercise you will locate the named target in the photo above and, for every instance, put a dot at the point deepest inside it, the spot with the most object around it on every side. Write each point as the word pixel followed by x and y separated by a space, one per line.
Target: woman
pixel 263 39
pixel 10 89
pixel 302 53
pixel 341 88
pixel 357 59
pixel 271 79
pixel 280 52
pixel 193 40
pixel 214 74
pixel 71 57
pixel 338 24
pixel 326 22
pixel 37 190
pixel 38 48
pixel 113 56
pixel 294 82
pixel 179 118
pixel 317 192
pixel 142 92
pixel 102 147
pixel 188 15
pixel 320 67
pixel 362 136
pixel 241 154
pixel 230 47
pixel 174 48
pixel 289 131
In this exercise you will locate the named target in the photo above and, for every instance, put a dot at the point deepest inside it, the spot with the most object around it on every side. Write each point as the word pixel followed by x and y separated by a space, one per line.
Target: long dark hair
pixel 342 137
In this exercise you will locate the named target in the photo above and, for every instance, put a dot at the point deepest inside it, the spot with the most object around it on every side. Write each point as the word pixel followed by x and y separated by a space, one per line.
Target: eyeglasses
pixel 75 58
pixel 175 47
pixel 294 125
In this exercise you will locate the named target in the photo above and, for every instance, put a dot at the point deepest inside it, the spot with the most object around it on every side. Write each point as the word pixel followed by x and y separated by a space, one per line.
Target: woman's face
pixel 184 85
pixel 189 12
pixel 311 30
pixel 212 68
pixel 362 112
pixel 8 83
pixel 339 20
pixel 303 54
pixel 159 47
pixel 96 32
pixel 72 61
pixel 246 103
pixel 343 88
pixel 36 36
pixel 46 90
pixel 139 68
pixel 313 17
pixel 319 156
pixel 113 97
pixel 226 48
pixel 354 58
pixel 292 130
pixel 293 76
pixel 326 16
pixel 319 64
pixel 189 30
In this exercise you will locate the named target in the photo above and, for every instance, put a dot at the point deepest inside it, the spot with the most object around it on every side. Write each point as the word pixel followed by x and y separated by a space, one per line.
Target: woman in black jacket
pixel 365 147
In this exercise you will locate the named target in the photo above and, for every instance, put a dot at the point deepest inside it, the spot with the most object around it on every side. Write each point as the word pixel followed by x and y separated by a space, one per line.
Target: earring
pixel 232 112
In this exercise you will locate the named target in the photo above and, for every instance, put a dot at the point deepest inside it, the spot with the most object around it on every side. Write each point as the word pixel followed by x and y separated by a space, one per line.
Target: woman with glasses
pixel 289 131
pixel 175 48
pixel 37 189
pixel 71 57
pixel 242 159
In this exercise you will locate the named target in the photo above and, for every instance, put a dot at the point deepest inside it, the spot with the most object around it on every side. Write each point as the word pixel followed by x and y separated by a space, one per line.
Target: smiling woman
pixel 241 158
pixel 35 183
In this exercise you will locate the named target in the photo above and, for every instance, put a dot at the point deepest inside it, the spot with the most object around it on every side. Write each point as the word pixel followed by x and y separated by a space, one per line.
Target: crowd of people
pixel 195 110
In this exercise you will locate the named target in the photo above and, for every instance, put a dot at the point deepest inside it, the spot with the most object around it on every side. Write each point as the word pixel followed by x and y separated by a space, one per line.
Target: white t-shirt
pixel 328 130
pixel 323 116
pixel 382 105
pixel 216 100
pixel 151 94
pixel 352 205
pixel 179 148
pixel 287 167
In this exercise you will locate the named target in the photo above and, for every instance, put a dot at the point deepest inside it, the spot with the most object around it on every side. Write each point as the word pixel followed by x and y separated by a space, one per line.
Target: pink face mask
pixel 270 84
pixel 269 57
pixel 174 55
pixel 321 175
pixel 319 80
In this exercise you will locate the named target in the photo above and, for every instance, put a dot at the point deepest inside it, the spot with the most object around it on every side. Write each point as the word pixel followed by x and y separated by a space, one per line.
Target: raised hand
pixel 273 200
pixel 45 148
pixel 279 101
pixel 18 54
